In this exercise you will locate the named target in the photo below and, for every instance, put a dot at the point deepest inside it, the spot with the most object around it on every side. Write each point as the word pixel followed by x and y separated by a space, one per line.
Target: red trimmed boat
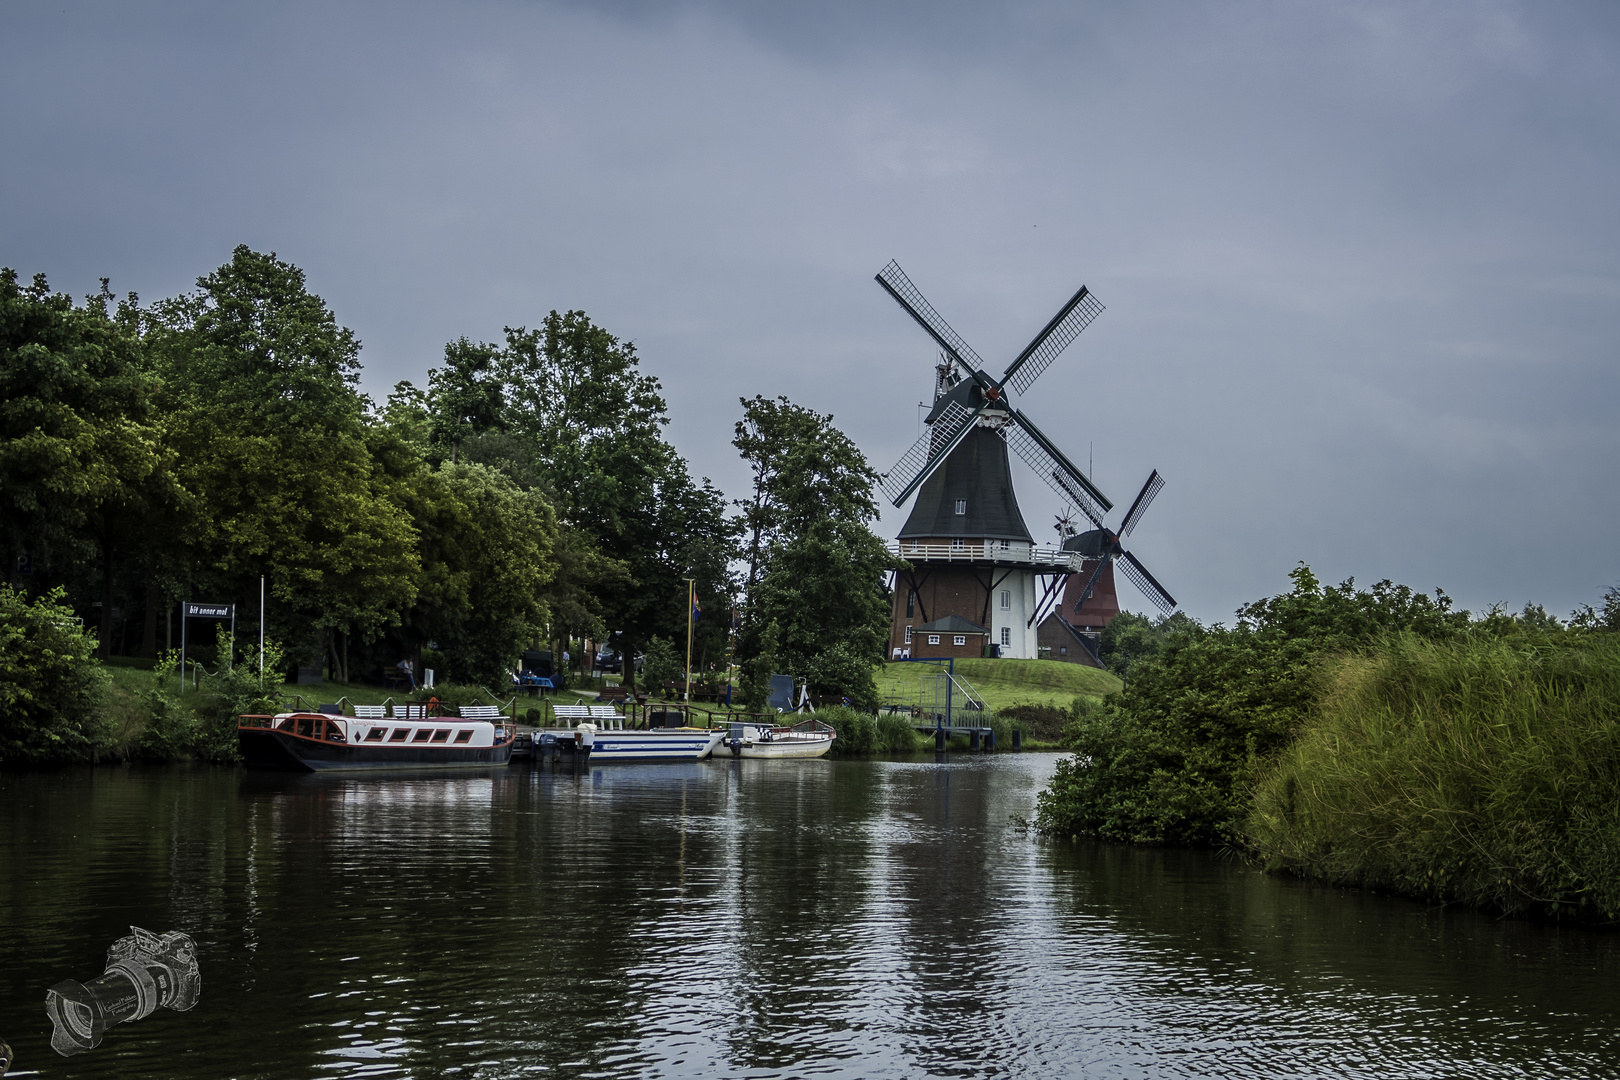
pixel 418 739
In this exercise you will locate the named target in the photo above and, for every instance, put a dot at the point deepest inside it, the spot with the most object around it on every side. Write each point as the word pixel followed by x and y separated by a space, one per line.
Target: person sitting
pixel 410 676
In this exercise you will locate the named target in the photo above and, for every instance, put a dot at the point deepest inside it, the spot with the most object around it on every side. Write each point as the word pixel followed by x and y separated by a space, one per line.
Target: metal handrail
pixel 983 550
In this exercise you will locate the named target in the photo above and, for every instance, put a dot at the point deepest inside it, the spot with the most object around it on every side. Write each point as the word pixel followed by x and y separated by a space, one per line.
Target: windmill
pixel 975 567
pixel 1089 600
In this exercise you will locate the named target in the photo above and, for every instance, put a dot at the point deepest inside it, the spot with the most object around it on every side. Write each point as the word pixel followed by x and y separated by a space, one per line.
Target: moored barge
pixel 319 742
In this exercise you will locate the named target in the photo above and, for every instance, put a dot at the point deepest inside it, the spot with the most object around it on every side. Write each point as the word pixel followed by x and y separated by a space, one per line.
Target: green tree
pixel 757 670
pixel 51 688
pixel 577 395
pixel 272 444
pixel 83 474
pixel 1174 759
pixel 816 569
pixel 663 666
pixel 466 397
pixel 486 552
pixel 803 469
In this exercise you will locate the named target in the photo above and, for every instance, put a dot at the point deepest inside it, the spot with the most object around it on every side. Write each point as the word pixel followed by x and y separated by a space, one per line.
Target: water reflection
pixel 742 918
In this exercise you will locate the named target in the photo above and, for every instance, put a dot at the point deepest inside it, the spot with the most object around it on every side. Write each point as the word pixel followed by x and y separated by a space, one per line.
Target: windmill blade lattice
pixel 1065 326
pixel 1040 454
pixel 894 279
pixel 942 436
pixel 1143 497
pixel 1143 580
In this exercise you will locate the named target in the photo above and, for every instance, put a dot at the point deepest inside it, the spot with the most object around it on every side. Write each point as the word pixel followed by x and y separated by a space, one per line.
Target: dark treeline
pixel 526 495
pixel 1374 737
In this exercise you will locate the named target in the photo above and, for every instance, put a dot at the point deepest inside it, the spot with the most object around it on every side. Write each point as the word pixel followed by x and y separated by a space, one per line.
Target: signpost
pixel 191 610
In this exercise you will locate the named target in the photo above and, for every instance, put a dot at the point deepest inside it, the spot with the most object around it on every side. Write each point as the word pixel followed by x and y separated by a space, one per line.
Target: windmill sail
pixel 1048 461
pixel 1143 497
pixel 943 435
pixel 899 286
pixel 1143 580
pixel 1065 326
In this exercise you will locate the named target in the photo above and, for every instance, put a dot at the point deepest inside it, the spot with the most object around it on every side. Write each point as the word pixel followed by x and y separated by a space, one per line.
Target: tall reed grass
pixel 863 733
pixel 1484 770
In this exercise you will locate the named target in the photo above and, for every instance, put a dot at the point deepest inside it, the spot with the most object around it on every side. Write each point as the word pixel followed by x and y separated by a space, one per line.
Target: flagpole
pixel 691 598
pixel 261 631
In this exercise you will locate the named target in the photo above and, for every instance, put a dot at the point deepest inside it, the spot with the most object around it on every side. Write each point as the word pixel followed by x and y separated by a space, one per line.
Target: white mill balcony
pixel 986 551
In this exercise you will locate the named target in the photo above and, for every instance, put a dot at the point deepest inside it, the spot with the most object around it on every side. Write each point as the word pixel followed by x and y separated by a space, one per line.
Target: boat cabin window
pixel 399 735
pixel 304 725
pixel 464 735
pixel 376 734
pixel 422 735
pixel 441 735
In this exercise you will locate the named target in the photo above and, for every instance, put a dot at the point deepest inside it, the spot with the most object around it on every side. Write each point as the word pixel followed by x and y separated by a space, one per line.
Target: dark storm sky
pixel 1361 261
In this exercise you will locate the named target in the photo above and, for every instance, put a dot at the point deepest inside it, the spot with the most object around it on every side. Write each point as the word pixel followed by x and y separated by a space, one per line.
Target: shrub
pixel 663 665
pixel 1037 720
pixel 857 732
pixel 51 689
pixel 1484 770
pixel 1174 758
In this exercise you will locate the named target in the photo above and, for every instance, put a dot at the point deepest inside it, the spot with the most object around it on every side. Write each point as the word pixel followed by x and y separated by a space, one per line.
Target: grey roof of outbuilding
pixel 978 472
pixel 950 624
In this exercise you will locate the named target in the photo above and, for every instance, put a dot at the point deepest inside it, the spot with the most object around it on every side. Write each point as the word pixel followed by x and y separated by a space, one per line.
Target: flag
pixel 697 609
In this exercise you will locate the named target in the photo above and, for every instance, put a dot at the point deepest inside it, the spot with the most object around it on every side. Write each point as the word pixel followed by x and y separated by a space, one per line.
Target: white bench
pixel 481 712
pixel 603 716
pixel 371 712
pixel 410 712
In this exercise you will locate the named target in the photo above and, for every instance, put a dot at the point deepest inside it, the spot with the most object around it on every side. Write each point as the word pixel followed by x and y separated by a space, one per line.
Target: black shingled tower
pixel 976 474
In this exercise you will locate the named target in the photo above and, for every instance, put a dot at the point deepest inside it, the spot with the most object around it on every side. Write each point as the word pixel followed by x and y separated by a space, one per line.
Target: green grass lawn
pixel 1006 682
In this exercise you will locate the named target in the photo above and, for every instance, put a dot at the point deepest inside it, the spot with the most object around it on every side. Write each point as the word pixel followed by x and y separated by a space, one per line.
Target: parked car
pixel 608 660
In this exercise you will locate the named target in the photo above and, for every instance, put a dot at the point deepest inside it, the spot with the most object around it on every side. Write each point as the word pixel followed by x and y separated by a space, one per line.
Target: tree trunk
pixel 106 593
pixel 154 601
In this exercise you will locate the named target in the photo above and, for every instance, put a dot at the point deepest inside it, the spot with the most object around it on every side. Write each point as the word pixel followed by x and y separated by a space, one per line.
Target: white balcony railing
pixel 984 551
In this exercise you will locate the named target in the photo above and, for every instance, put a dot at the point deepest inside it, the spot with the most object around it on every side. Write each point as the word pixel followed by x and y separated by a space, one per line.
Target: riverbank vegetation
pixel 520 496
pixel 1375 737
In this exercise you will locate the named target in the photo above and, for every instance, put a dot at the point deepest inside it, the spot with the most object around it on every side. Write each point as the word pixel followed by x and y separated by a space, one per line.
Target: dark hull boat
pixel 317 742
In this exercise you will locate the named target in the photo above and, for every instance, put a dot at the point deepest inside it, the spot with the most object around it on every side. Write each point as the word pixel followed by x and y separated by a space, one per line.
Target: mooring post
pixel 989 739
pixel 939 739
pixel 973 739
pixel 1018 738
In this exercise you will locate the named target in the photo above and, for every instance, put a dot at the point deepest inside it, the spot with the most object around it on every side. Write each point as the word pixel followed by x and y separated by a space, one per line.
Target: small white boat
pixel 807 739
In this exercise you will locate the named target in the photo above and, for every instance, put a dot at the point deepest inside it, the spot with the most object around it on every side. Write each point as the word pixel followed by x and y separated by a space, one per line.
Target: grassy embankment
pixel 1484 771
pixel 1034 695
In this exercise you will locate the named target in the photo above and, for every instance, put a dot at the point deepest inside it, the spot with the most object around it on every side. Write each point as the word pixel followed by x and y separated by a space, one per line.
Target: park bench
pixel 612 694
pixel 603 716
pixel 394 676
pixel 410 712
pixel 371 712
pixel 481 712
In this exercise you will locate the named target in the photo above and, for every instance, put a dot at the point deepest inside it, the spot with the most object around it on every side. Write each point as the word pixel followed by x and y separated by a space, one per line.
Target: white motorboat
pixel 658 744
pixel 807 739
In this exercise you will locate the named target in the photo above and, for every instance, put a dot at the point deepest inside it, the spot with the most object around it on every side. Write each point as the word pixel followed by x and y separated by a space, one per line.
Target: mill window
pixel 961 506
pixel 911 603
pixel 959 639
pixel 1006 635
pixel 1063 650
pixel 1006 545
pixel 933 639
pixel 958 544
pixel 908 635
pixel 1006 599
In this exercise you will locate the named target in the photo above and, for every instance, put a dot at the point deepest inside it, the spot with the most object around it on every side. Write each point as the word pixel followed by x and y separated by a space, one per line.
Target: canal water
pixel 742 919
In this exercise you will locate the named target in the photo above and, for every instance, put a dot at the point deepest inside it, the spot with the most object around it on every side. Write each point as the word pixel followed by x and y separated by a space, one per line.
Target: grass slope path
pixel 1003 683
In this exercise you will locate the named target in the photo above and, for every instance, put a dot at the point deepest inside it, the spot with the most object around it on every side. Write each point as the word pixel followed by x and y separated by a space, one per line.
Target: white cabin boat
pixel 807 739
